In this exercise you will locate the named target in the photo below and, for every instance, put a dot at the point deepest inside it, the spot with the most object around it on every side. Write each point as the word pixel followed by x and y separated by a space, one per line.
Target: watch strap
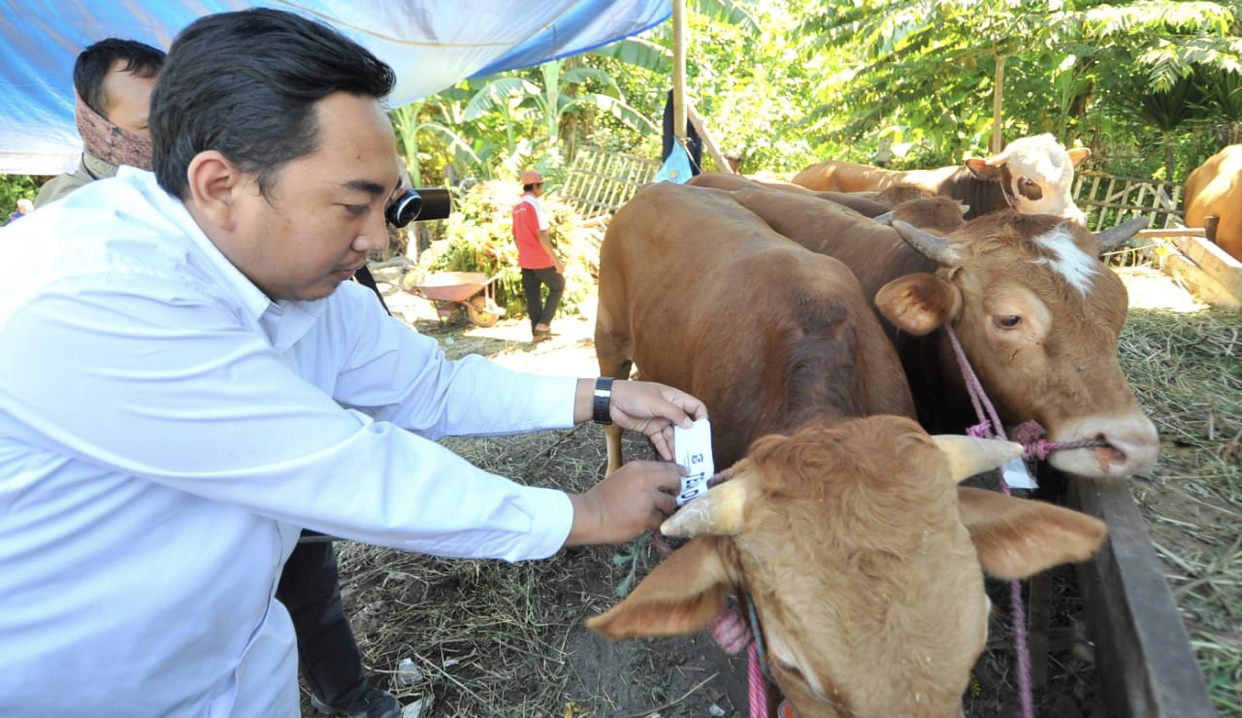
pixel 601 404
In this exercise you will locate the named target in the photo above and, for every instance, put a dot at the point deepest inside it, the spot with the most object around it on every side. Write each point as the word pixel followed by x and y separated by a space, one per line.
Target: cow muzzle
pixel 1131 447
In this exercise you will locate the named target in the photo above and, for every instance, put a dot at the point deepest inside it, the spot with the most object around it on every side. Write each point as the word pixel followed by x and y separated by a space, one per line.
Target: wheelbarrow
pixel 449 290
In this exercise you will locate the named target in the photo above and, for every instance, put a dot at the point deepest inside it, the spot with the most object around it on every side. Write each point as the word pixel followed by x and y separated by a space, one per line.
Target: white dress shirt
pixel 165 432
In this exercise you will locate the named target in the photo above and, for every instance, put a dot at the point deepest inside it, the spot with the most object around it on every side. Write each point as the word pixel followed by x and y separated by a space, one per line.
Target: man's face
pixel 128 97
pixel 324 211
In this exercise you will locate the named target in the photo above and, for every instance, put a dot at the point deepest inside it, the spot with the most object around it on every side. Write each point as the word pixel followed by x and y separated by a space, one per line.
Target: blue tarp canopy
pixel 431 44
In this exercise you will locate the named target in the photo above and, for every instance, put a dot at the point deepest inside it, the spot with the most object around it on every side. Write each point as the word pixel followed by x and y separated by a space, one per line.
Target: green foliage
pixel 15 187
pixel 478 237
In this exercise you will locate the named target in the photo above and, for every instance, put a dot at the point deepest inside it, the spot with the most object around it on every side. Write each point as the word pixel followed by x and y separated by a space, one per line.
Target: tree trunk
pixel 1168 157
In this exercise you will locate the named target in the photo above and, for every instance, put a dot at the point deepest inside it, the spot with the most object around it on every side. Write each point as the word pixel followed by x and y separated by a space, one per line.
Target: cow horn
pixel 969 455
pixel 885 218
pixel 716 513
pixel 1112 238
pixel 928 244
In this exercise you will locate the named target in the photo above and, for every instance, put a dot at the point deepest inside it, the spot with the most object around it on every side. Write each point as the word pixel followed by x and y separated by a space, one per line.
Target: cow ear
pixel 987 170
pixel 1078 154
pixel 1016 538
pixel 918 303
pixel 683 594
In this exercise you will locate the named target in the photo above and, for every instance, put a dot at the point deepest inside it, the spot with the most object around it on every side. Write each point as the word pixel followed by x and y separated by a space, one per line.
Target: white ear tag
pixel 1015 474
pixel 692 449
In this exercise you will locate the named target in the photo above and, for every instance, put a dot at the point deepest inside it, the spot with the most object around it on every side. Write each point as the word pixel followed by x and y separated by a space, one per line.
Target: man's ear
pixel 214 182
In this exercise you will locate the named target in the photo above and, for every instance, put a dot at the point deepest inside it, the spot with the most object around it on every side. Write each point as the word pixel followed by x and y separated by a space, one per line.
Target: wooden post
pixel 679 71
pixel 1210 223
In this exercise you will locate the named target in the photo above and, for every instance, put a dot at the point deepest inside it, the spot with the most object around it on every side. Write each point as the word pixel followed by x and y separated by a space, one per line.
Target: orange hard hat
pixel 531 177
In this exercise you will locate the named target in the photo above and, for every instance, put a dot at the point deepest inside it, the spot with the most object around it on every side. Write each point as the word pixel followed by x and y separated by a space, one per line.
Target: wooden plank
pixel 1198 282
pixel 1215 276
pixel 1143 654
pixel 1170 232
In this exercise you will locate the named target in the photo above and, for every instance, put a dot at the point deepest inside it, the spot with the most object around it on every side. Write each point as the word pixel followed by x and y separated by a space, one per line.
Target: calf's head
pixel 864 562
pixel 1037 174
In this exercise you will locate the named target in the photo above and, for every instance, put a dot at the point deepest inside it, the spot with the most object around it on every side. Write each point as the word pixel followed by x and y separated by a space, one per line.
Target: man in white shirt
pixel 187 380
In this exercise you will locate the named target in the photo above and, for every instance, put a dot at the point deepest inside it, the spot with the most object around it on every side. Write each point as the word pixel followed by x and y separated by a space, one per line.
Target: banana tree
pixel 520 99
pixel 408 126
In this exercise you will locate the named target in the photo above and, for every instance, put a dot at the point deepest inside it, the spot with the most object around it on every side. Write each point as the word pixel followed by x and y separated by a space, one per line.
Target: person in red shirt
pixel 538 260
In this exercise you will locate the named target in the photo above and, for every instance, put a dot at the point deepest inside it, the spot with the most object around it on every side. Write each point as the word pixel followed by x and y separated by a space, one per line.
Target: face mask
pixel 109 142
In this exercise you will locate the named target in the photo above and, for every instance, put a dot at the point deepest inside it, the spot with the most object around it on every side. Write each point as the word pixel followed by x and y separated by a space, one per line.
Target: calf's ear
pixel 683 594
pixel 1078 154
pixel 988 170
pixel 1016 538
pixel 918 303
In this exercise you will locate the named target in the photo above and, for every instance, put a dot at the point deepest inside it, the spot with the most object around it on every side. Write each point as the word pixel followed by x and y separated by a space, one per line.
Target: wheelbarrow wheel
pixel 482 312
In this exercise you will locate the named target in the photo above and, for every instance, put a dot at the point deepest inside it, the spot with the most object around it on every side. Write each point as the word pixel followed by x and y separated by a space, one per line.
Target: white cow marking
pixel 1067 259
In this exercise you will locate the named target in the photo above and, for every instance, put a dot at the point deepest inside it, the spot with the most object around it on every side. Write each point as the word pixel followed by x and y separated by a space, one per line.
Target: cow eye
pixel 1008 321
pixel 790 668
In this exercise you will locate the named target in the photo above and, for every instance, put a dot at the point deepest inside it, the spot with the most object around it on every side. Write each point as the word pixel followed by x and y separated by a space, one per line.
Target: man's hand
pixel 654 409
pixel 635 498
pixel 645 406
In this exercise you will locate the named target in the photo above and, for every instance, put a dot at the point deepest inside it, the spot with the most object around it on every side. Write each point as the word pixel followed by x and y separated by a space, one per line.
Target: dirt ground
pixel 507 640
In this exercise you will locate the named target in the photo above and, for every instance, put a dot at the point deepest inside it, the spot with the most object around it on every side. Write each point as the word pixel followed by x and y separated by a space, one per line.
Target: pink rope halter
pixel 1029 434
pixel 731 632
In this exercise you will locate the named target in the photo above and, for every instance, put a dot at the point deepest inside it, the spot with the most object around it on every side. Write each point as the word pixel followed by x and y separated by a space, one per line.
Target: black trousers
pixel 328 657
pixel 541 312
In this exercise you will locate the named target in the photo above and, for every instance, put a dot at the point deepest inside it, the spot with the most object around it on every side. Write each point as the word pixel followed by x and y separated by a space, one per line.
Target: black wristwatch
pixel 601 406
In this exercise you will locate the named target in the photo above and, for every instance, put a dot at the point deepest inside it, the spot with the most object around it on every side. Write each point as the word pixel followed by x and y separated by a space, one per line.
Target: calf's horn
pixel 969 455
pixel 719 512
pixel 928 244
pixel 1112 238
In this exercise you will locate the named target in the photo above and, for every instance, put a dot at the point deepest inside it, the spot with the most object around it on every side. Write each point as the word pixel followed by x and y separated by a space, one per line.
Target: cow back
pixel 701 294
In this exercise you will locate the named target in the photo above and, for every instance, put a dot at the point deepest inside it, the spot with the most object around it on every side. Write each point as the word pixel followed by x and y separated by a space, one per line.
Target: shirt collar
pixel 283 321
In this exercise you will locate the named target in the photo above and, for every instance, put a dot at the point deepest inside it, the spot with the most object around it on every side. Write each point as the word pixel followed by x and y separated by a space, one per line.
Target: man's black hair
pixel 245 84
pixel 95 62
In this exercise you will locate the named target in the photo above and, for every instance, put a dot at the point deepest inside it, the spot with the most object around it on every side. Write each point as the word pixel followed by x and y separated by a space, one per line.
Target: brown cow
pixel 1214 189
pixel 863 560
pixel 867 204
pixel 702 295
pixel 1038 315
pixel 1033 175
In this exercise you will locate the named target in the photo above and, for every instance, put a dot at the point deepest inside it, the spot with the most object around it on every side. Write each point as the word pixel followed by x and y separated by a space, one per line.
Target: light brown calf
pixel 1033 175
pixel 864 562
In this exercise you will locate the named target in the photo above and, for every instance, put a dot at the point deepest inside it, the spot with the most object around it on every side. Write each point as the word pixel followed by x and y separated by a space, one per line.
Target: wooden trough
pixel 1143 657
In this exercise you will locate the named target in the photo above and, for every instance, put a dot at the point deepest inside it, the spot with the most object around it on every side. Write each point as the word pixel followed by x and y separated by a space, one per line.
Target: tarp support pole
pixel 679 70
